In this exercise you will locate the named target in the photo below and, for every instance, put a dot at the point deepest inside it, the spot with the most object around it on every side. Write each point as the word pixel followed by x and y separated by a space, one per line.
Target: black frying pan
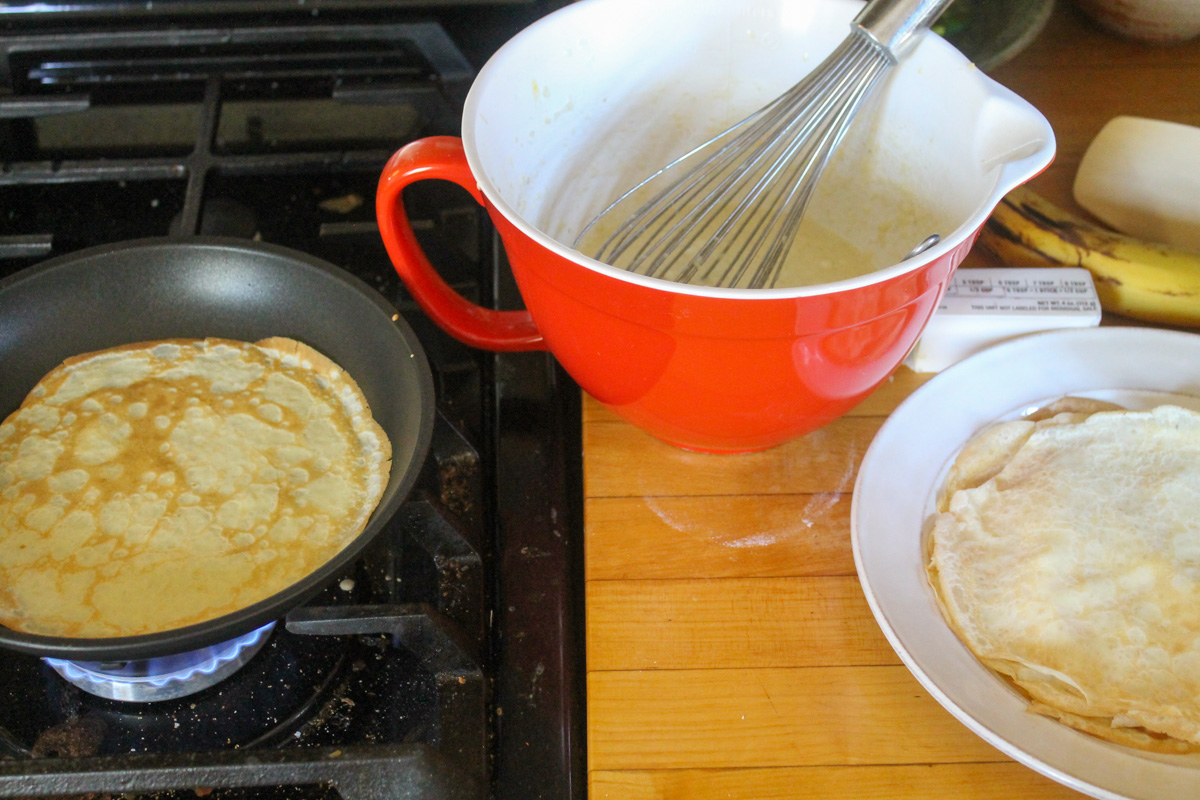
pixel 158 289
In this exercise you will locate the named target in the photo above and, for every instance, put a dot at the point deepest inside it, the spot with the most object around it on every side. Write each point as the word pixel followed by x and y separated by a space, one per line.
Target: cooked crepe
pixel 162 484
pixel 1066 555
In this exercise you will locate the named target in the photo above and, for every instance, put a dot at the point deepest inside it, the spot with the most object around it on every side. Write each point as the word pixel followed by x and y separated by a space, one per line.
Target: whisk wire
pixel 802 183
pixel 768 203
pixel 790 133
pixel 743 193
pixel 633 227
pixel 678 208
pixel 747 188
pixel 780 123
pixel 681 206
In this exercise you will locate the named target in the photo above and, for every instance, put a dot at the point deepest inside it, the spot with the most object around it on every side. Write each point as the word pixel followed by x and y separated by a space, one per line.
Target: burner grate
pixel 393 772
pixel 449 662
pixel 122 108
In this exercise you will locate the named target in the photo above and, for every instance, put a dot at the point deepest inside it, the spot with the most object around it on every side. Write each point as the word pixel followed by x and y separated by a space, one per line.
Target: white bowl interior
pixel 590 100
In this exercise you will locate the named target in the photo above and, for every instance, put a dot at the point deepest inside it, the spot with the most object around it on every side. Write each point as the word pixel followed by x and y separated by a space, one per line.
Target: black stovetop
pixel 448 661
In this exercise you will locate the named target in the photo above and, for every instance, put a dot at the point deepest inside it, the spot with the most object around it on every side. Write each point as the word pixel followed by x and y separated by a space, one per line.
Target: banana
pixel 1134 278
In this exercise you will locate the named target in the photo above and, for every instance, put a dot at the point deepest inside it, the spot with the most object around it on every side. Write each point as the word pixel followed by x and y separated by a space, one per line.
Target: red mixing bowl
pixel 585 102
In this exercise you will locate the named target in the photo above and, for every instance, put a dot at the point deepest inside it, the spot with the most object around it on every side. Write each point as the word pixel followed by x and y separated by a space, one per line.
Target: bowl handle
pixel 442 158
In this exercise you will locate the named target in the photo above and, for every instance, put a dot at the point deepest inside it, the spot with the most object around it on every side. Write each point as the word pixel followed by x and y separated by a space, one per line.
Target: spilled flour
pixel 757 540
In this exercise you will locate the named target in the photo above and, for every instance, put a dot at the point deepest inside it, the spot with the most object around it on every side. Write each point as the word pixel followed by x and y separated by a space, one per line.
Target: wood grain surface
pixel 730 651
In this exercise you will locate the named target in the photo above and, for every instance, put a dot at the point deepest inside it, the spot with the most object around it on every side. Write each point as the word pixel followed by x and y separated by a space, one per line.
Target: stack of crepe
pixel 1066 556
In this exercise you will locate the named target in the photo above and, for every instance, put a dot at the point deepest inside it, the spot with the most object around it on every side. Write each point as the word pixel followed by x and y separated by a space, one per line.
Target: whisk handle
pixel 894 24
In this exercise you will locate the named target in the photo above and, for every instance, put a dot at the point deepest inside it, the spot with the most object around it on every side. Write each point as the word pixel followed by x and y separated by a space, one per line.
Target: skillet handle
pixel 442 158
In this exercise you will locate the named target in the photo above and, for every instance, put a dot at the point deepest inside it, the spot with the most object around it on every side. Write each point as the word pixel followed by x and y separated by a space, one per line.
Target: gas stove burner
pixel 165 678
pixel 263 119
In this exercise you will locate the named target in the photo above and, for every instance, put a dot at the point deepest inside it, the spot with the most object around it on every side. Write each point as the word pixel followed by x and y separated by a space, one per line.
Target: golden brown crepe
pixel 162 484
pixel 1066 555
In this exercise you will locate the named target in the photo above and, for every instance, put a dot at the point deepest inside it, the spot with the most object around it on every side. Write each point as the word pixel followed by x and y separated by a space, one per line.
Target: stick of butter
pixel 1142 178
pixel 985 306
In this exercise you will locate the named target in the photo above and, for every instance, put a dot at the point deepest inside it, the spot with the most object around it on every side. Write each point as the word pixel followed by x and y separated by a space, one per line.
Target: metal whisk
pixel 726 213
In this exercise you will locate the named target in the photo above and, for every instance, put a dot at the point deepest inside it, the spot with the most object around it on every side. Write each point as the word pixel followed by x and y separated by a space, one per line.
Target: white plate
pixel 895 493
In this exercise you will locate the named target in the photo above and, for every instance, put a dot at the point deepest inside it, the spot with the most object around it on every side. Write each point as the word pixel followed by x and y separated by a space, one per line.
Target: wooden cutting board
pixel 730 652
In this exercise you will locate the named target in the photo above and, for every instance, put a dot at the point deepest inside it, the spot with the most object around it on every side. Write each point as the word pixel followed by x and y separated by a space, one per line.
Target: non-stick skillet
pixel 157 289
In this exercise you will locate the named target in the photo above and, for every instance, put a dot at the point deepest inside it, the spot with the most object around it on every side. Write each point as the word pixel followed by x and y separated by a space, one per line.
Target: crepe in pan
pixel 162 484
